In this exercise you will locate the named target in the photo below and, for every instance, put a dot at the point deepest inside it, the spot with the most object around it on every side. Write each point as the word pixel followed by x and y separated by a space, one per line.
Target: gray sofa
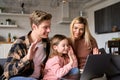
pixel 114 73
pixel 2 62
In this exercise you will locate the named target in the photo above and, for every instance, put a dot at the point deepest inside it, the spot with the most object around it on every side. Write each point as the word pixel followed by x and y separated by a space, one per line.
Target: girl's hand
pixel 71 55
pixel 73 59
pixel 32 50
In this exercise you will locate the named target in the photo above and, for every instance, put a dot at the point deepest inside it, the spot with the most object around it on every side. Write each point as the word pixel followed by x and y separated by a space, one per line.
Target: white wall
pixel 21 20
pixel 56 27
pixel 101 38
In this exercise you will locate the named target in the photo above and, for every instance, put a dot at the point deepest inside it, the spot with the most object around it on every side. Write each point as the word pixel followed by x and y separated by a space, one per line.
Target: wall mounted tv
pixel 107 20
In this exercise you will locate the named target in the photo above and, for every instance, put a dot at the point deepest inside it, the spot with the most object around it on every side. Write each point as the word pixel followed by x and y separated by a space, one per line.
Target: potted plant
pixel 9 37
pixel 1 9
pixel 14 38
pixel 8 21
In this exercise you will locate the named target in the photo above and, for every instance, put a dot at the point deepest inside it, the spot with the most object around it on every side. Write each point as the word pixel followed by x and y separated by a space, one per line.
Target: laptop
pixel 95 66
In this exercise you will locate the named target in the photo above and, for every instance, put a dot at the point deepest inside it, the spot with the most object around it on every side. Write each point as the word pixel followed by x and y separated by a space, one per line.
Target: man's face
pixel 43 29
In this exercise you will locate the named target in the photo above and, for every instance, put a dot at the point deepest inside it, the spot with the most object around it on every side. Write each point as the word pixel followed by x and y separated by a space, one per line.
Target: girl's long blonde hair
pixel 87 35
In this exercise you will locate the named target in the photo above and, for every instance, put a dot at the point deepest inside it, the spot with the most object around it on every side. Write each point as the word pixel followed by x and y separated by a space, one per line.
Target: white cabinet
pixel 12 17
pixel 4 49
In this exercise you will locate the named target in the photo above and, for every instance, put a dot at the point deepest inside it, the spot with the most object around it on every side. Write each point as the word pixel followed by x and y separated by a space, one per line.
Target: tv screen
pixel 107 20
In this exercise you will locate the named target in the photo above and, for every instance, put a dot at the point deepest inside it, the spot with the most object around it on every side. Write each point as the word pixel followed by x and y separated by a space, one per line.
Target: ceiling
pixel 57 2
pixel 76 3
pixel 81 1
pixel 30 4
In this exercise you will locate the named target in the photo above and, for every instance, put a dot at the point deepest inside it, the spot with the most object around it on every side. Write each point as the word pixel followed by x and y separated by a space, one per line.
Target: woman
pixel 83 42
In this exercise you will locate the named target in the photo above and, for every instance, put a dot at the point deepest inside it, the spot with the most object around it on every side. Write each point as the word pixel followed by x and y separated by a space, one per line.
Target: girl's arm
pixel 56 67
pixel 73 59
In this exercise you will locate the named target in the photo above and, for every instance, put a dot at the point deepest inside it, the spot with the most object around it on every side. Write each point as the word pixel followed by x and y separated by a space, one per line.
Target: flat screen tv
pixel 107 20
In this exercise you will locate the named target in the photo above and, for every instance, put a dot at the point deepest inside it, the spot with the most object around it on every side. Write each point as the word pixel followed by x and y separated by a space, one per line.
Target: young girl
pixel 61 60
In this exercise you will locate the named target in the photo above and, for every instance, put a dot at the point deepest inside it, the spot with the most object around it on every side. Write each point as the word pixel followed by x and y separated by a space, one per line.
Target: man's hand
pixel 32 50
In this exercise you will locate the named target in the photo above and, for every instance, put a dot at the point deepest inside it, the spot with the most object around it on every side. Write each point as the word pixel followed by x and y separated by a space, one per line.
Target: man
pixel 29 53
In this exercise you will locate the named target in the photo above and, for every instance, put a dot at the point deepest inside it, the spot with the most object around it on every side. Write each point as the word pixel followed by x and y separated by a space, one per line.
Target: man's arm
pixel 16 62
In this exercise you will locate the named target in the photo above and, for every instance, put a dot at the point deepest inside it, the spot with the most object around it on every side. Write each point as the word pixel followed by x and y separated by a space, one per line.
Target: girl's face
pixel 62 47
pixel 78 30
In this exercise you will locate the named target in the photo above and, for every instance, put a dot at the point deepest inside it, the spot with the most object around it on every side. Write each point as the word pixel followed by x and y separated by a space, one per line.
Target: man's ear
pixel 34 26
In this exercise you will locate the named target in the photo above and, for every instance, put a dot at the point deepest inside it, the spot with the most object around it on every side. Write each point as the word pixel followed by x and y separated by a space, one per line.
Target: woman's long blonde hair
pixel 86 35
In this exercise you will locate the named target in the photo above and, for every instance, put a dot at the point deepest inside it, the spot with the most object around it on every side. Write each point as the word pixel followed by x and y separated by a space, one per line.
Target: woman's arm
pixel 95 47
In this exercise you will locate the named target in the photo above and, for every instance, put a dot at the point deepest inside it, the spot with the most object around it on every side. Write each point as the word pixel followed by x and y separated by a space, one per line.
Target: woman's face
pixel 78 30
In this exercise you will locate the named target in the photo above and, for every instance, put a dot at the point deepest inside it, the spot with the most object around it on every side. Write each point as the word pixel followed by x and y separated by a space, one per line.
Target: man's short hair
pixel 38 16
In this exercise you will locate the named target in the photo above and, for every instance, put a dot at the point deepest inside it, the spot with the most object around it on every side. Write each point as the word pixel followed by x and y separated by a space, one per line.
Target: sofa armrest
pixel 1 70
pixel 2 62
